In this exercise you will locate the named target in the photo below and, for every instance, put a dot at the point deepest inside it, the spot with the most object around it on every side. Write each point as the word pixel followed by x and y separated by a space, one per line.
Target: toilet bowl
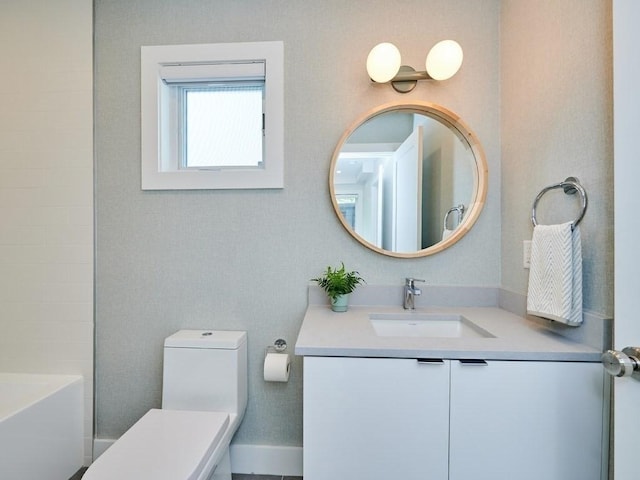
pixel 204 396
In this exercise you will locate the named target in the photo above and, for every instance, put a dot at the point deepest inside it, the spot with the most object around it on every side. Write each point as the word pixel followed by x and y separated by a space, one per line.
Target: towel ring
pixel 571 185
pixel 460 209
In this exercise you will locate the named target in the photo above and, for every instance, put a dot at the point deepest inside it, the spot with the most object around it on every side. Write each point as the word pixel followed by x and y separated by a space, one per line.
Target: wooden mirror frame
pixel 460 129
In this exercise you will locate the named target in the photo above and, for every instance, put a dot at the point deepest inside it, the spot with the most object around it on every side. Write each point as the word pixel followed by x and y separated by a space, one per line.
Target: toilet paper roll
pixel 276 367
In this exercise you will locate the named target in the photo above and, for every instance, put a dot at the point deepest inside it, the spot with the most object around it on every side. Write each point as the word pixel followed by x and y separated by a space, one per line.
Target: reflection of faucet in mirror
pixel 410 293
pixel 446 231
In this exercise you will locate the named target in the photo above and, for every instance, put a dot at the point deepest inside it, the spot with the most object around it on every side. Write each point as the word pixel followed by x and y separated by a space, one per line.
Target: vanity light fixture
pixel 384 64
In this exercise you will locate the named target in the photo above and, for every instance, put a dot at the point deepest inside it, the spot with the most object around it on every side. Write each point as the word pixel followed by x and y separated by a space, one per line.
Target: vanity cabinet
pixel 526 420
pixel 375 418
pixel 431 419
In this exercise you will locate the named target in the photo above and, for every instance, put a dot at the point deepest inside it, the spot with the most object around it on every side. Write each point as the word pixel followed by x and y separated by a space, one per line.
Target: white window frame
pixel 160 155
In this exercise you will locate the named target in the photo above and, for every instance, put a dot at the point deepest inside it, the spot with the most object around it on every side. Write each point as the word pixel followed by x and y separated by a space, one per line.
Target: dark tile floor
pixel 235 476
pixel 79 473
pixel 243 476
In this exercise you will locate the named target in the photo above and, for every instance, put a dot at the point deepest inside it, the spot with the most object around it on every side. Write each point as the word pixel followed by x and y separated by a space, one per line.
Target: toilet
pixel 204 396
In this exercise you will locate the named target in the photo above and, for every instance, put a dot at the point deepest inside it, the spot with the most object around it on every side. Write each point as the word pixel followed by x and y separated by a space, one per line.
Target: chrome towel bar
pixel 571 185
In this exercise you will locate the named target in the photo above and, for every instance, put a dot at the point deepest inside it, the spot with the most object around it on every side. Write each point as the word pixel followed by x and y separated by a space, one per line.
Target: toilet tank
pixel 205 370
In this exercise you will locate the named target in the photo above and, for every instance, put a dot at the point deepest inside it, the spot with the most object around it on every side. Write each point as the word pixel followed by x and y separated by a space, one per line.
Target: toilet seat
pixel 162 445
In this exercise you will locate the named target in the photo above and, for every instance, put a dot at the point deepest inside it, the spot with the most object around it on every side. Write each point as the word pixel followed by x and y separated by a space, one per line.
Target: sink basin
pixel 431 325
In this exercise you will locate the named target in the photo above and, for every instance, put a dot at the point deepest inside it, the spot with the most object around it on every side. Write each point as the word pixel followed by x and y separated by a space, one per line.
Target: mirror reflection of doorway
pixel 406 223
pixel 396 194
pixel 347 204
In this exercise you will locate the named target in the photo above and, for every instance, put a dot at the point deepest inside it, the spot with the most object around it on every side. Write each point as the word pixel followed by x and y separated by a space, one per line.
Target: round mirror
pixel 408 179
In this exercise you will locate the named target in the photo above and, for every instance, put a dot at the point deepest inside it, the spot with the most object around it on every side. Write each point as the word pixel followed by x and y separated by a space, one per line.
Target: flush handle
pixel 622 364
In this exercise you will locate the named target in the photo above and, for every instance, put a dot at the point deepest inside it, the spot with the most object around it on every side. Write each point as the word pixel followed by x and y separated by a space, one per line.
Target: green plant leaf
pixel 338 281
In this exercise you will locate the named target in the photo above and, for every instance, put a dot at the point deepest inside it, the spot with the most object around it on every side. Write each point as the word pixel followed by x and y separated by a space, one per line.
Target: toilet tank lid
pixel 221 339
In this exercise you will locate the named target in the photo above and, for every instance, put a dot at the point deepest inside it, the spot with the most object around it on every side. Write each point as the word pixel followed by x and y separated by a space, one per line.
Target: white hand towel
pixel 555 275
pixel 446 233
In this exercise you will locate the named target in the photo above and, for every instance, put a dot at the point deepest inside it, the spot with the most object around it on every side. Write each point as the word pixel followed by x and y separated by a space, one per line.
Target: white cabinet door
pixel 526 420
pixel 375 419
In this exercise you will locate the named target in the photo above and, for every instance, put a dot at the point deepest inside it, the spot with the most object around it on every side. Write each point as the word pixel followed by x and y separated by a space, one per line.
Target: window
pixel 212 116
pixel 222 126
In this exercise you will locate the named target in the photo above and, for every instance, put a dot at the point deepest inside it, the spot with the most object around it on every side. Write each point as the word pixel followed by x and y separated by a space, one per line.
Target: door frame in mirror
pixel 462 131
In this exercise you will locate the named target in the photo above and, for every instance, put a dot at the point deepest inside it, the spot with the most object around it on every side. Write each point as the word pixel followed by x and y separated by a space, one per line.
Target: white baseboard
pixel 100 445
pixel 252 459
pixel 266 460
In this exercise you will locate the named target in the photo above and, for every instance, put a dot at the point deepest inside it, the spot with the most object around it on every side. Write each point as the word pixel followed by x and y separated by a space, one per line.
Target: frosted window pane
pixel 223 127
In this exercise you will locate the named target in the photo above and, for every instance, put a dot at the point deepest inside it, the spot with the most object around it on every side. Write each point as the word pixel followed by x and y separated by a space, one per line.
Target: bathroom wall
pixel 243 259
pixel 46 191
pixel 556 121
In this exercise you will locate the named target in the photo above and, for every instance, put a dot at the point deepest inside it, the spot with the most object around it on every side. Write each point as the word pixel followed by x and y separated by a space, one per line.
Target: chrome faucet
pixel 410 293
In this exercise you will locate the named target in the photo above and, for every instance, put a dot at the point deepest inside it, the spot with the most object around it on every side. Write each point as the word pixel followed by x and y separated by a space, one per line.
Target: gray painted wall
pixel 556 121
pixel 243 259
pixel 535 87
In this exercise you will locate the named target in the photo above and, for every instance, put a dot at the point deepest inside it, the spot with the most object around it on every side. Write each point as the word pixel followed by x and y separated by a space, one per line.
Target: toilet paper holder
pixel 278 346
pixel 277 363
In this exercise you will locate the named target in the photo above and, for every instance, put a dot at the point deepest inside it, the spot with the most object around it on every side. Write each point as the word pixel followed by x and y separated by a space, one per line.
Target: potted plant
pixel 338 283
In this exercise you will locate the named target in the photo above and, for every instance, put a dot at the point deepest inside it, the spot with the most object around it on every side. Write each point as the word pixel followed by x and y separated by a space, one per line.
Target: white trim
pixel 251 459
pixel 266 460
pixel 215 72
pixel 157 174
pixel 100 446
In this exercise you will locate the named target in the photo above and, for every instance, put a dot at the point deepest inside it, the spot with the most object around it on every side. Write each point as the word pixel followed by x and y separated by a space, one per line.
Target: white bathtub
pixel 41 426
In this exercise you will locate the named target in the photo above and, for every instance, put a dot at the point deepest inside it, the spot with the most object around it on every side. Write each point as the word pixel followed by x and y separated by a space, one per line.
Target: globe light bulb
pixel 444 60
pixel 383 62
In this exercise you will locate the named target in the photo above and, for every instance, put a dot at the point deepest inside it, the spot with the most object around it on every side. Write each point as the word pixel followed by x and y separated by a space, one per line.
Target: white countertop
pixel 350 334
